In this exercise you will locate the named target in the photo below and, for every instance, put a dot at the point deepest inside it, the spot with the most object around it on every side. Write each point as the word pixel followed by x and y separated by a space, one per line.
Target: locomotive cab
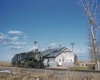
pixel 16 60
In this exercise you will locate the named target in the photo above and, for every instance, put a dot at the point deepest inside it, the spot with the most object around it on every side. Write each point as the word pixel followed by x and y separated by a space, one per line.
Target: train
pixel 32 59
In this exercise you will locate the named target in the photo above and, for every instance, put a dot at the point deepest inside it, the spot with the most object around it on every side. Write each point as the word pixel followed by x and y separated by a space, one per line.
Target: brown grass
pixel 5 64
pixel 47 76
pixel 7 76
pixel 78 68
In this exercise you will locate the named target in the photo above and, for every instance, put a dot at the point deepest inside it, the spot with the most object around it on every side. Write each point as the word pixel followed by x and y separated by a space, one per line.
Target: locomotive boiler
pixel 29 59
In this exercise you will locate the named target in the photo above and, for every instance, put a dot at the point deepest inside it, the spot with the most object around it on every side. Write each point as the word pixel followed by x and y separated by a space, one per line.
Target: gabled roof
pixel 47 52
pixel 54 52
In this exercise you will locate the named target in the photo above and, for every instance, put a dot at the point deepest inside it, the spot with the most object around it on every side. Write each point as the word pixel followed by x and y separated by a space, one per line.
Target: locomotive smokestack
pixel 49 48
pixel 36 50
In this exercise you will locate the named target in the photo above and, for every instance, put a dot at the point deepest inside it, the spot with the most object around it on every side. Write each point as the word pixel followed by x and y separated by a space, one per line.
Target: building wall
pixel 63 59
pixel 45 62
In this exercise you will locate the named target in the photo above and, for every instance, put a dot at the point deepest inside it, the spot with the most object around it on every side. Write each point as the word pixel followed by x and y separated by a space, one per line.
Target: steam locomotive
pixel 29 59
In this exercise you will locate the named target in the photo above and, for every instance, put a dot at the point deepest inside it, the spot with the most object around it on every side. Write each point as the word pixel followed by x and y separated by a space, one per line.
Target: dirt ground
pixel 9 76
pixel 5 63
pixel 46 74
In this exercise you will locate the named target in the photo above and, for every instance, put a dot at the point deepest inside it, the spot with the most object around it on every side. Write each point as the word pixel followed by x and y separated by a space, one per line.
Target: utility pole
pixel 72 43
pixel 59 45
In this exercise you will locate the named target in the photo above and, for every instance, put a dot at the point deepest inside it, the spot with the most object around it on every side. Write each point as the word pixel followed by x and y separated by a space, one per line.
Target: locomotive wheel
pixel 37 65
pixel 26 64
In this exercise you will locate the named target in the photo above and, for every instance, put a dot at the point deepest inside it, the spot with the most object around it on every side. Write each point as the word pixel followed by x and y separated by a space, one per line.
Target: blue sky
pixel 49 22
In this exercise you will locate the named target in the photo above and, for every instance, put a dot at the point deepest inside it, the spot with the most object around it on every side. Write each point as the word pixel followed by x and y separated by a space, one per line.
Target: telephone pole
pixel 59 45
pixel 72 43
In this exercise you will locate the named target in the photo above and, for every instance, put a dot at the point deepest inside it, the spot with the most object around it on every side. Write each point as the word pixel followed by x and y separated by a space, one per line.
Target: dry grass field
pixel 7 76
pixel 46 75
pixel 5 63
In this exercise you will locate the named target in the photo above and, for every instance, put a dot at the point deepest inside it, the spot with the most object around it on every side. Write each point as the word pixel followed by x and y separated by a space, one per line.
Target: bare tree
pixel 91 8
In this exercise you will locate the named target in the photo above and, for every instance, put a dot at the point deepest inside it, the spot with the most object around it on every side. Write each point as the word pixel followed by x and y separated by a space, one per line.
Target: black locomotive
pixel 29 59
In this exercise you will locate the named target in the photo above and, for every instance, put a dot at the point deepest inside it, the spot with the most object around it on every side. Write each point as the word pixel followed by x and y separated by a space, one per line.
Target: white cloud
pixel 14 38
pixel 25 37
pixel 6 40
pixel 13 43
pixel 52 45
pixel 42 49
pixel 18 43
pixel 2 35
pixel 80 51
pixel 15 32
pixel 32 48
pixel 14 47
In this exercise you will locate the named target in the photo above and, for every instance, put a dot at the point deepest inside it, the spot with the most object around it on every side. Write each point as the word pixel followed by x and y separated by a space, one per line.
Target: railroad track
pixel 42 70
pixel 57 72
pixel 22 70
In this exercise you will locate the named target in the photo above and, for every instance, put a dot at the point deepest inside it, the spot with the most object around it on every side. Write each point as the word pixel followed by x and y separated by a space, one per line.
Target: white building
pixel 59 57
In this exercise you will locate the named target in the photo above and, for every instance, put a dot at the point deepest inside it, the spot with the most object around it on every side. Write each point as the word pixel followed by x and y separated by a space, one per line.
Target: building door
pixel 59 62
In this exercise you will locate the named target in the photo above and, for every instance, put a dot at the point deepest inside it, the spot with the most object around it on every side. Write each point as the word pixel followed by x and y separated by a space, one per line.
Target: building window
pixel 70 60
pixel 53 60
pixel 59 60
pixel 62 59
pixel 18 57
